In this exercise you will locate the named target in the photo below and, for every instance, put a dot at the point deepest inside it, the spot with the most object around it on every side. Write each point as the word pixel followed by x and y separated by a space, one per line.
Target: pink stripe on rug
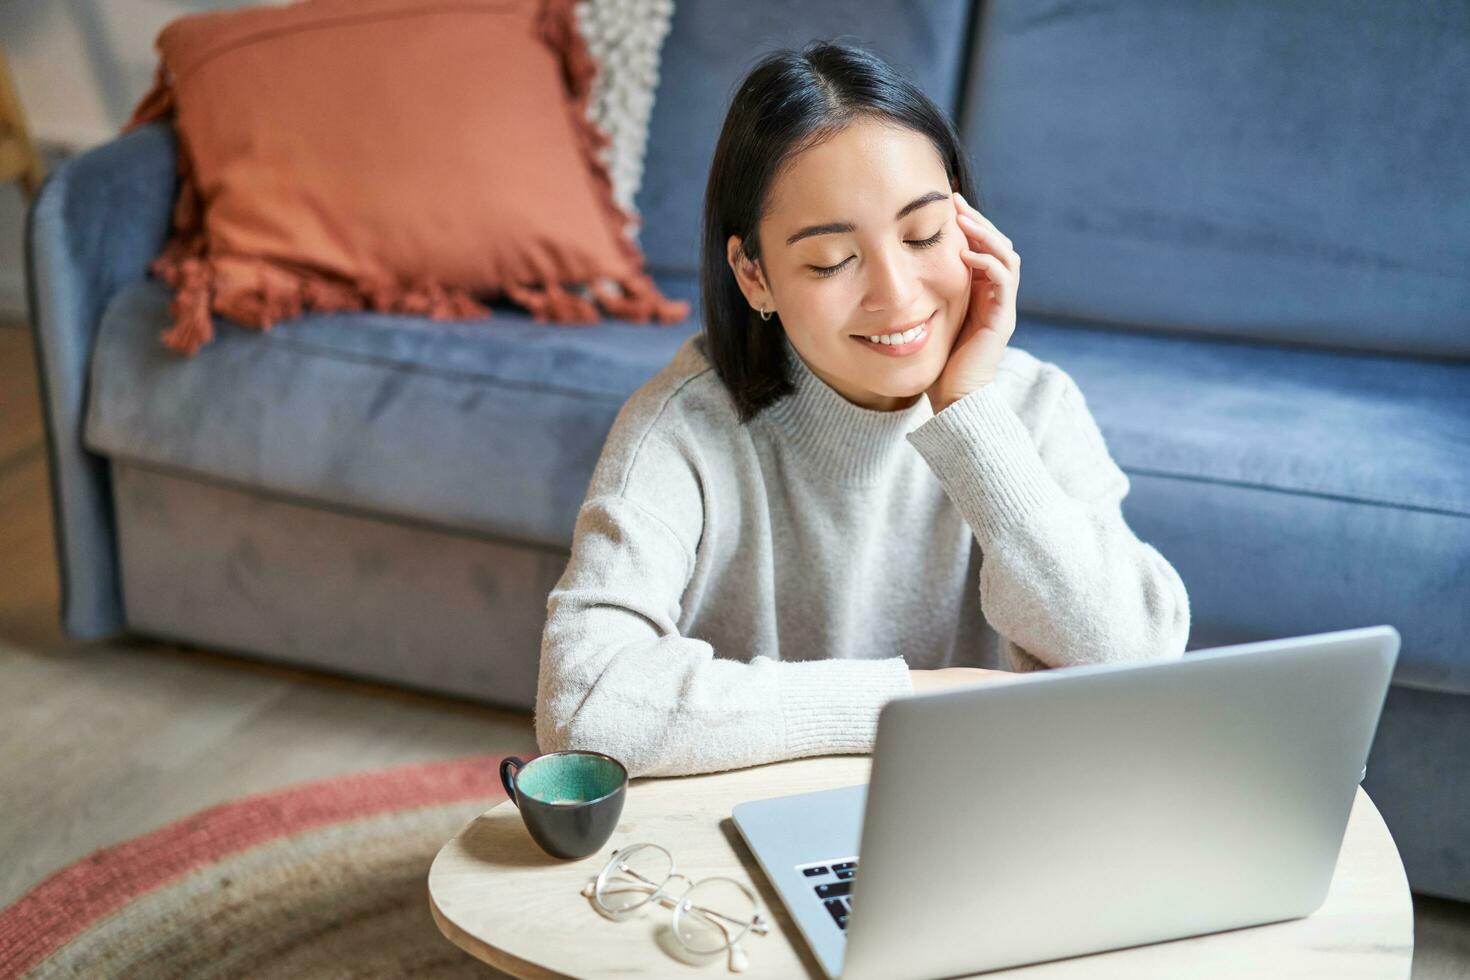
pixel 66 903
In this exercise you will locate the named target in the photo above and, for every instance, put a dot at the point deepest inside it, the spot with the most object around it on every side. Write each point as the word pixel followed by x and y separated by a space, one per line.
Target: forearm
pixel 1071 587
pixel 668 706
pixel 1063 577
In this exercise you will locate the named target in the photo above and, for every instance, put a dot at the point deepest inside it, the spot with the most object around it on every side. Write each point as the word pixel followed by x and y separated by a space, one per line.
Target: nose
pixel 889 282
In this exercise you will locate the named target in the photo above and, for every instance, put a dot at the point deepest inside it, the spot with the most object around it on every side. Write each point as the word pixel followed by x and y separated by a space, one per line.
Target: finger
pixel 990 266
pixel 997 242
pixel 983 230
pixel 986 231
pixel 985 222
pixel 969 210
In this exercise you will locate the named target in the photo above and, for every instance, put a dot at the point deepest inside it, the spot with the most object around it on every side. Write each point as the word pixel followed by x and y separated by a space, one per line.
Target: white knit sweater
pixel 742 594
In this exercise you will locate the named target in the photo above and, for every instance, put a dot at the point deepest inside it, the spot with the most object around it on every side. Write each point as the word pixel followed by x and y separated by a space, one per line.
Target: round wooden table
pixel 497 896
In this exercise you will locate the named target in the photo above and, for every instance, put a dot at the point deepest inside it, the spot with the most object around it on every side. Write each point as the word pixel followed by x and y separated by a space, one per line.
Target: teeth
pixel 898 338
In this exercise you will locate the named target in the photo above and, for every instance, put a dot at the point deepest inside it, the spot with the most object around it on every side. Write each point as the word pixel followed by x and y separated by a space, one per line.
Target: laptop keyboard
pixel 832 882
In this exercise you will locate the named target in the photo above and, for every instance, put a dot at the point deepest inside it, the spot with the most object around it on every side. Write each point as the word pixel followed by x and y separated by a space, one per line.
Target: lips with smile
pixel 900 350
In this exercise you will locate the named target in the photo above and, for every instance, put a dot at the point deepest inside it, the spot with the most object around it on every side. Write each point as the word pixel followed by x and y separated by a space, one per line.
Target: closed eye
pixel 824 271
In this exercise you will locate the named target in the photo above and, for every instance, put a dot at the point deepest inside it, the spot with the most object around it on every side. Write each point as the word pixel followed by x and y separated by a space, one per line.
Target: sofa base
pixel 1419 778
pixel 230 569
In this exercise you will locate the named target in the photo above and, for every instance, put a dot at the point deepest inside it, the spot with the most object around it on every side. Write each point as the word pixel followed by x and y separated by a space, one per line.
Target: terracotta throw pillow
pixel 403 156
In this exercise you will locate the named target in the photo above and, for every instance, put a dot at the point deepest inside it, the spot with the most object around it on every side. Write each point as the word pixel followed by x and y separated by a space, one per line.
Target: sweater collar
pixel 831 434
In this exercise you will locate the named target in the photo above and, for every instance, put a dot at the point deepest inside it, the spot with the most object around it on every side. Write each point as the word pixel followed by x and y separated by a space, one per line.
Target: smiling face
pixel 860 239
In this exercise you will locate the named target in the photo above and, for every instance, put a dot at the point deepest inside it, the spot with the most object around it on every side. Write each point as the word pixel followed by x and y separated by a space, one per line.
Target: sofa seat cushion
pixel 492 426
pixel 1380 429
pixel 1246 458
pixel 1294 489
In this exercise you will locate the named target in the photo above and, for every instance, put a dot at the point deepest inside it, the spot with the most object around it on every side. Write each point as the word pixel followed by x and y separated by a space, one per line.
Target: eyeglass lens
pixel 635 873
pixel 714 914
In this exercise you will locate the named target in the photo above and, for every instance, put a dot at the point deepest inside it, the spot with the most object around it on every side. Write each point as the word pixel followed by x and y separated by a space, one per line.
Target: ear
pixel 748 275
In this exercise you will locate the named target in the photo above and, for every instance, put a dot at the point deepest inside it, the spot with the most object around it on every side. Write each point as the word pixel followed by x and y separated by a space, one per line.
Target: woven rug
pixel 322 879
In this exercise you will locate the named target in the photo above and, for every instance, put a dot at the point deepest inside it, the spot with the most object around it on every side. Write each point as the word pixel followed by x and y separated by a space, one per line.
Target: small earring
pixel 764 314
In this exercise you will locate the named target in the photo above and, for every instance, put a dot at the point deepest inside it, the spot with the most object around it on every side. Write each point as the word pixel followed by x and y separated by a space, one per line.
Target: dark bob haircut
pixel 790 101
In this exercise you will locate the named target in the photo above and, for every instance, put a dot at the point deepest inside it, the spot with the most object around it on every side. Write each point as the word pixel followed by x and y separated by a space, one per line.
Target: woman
pixel 848 487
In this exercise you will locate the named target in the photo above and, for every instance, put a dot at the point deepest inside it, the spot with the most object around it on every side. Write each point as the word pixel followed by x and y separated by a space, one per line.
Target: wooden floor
pixel 100 742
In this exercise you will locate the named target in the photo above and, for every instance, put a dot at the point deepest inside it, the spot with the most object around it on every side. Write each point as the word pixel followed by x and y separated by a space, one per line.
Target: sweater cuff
pixel 983 456
pixel 831 706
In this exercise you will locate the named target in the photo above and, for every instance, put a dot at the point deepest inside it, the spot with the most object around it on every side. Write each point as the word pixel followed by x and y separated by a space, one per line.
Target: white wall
pixel 80 66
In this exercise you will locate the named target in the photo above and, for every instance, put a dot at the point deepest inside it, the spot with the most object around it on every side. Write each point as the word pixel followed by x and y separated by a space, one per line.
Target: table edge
pixel 484 952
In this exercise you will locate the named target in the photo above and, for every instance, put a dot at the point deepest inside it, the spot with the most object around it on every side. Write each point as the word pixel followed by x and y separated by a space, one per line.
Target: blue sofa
pixel 1247 236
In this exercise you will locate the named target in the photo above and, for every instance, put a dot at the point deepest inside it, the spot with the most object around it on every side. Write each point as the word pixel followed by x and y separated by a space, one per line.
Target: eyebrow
pixel 837 227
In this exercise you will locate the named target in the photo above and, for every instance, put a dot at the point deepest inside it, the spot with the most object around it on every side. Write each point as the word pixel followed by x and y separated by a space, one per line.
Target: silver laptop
pixel 1083 809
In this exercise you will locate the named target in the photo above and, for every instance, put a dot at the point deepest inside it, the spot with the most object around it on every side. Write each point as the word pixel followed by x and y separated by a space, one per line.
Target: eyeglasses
pixel 713 914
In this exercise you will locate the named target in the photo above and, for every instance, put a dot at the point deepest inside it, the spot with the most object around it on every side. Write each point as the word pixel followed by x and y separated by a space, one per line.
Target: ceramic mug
pixel 569 801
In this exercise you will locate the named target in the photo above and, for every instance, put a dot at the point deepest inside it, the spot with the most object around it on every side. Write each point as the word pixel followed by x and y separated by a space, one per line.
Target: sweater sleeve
pixel 617 677
pixel 1063 579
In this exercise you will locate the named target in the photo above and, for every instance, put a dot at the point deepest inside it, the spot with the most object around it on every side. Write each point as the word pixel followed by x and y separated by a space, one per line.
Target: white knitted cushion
pixel 625 36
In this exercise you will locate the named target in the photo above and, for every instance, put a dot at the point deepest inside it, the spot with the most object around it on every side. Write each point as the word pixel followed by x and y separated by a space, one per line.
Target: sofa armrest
pixel 97 222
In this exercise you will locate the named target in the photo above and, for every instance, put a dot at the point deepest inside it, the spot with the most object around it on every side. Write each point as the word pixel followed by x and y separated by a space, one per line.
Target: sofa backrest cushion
pixel 711 47
pixel 1281 171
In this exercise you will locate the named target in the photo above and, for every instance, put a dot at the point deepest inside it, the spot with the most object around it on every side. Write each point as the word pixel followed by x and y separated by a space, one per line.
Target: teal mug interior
pixel 569 778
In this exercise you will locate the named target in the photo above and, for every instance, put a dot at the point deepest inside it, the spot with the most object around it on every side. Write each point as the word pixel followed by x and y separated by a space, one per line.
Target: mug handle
pixel 506 778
